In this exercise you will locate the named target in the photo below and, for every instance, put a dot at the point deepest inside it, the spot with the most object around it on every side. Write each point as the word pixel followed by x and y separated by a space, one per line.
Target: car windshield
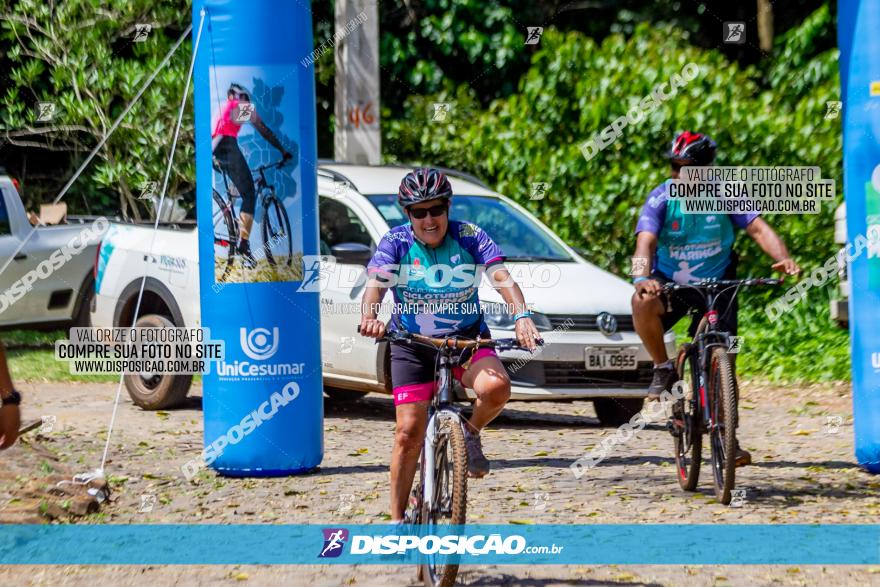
pixel 520 237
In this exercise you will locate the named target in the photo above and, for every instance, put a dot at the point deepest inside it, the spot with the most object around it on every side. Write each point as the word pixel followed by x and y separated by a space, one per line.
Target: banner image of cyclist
pixel 255 191
pixel 404 262
pixel 688 248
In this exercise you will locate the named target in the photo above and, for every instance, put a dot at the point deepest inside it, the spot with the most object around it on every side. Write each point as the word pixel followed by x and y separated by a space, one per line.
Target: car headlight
pixel 497 316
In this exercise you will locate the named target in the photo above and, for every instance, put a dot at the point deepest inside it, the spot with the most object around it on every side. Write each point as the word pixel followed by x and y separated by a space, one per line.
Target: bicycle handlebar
pixel 719 283
pixel 500 344
pixel 276 164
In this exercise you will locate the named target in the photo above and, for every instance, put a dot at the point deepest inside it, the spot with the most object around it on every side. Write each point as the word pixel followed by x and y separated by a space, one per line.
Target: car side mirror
pixel 352 253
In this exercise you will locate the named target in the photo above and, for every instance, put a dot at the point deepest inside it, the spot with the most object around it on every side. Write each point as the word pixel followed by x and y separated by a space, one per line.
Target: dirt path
pixel 800 439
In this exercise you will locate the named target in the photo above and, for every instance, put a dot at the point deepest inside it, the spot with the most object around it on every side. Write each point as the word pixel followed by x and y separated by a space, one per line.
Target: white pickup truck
pixel 48 282
pixel 591 349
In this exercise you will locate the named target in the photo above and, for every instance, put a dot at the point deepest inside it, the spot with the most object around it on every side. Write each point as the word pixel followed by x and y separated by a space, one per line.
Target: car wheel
pixel 615 411
pixel 344 395
pixel 157 392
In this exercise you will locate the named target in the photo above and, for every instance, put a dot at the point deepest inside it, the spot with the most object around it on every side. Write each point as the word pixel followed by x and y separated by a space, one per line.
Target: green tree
pixel 82 56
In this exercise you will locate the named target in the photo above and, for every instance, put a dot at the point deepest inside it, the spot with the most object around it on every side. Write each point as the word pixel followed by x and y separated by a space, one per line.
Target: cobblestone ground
pixel 800 439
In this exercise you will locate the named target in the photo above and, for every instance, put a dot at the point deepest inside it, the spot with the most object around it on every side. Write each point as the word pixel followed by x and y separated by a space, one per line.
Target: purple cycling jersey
pixel 436 288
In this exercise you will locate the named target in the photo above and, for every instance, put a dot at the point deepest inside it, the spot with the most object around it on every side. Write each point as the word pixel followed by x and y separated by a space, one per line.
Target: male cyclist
pixel 688 248
pixel 230 160
pixel 415 256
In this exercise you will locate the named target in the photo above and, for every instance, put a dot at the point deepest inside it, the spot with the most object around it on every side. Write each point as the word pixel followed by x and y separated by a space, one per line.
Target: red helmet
pixel 692 148
pixel 422 184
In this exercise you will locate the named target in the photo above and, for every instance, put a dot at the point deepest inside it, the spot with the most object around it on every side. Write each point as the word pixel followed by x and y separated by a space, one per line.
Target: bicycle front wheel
pixel 686 418
pixel 449 504
pixel 277 242
pixel 722 434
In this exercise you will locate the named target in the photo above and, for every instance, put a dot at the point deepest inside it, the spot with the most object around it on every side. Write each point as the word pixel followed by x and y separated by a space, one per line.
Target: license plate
pixel 611 358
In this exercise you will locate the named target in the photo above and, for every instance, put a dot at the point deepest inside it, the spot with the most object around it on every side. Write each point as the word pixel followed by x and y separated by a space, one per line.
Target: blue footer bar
pixel 850 544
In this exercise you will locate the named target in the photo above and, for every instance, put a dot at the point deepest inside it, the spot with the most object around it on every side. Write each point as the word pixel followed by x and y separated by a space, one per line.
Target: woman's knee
pixel 410 432
pixel 494 389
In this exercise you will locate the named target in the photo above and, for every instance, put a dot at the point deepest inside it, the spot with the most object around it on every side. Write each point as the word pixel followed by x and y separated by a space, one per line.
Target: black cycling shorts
pixel 684 301
pixel 413 368
pixel 233 164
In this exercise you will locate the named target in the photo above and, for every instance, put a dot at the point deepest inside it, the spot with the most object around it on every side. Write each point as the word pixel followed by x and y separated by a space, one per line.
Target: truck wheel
pixel 615 411
pixel 344 395
pixel 157 391
pixel 82 313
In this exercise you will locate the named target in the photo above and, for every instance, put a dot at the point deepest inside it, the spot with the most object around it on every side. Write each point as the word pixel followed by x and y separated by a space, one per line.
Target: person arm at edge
pixel 10 417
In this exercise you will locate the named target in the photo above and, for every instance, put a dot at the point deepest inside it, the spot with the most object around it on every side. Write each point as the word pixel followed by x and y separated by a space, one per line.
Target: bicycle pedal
pixel 673 429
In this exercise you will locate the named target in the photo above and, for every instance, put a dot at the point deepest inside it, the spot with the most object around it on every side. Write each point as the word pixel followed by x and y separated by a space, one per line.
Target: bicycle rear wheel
pixel 449 505
pixel 225 237
pixel 686 417
pixel 277 242
pixel 722 407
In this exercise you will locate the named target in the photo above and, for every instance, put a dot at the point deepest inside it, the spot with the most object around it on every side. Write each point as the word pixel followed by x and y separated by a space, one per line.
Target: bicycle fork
pixel 435 421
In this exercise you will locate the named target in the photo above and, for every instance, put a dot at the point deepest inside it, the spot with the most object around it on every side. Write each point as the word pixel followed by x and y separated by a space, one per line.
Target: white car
pixel 590 351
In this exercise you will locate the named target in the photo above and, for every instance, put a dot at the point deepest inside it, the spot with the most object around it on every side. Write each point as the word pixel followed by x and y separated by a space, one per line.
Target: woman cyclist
pixel 230 160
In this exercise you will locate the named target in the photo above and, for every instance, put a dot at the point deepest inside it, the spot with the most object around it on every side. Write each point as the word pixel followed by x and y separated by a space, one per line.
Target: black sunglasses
pixel 435 211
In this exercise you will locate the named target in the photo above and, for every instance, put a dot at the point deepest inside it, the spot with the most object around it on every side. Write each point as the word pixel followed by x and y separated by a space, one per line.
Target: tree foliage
pixel 576 87
pixel 81 55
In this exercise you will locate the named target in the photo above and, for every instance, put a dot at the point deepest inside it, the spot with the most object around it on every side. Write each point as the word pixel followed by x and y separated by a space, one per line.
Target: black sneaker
pixel 247 259
pixel 663 379
pixel 478 464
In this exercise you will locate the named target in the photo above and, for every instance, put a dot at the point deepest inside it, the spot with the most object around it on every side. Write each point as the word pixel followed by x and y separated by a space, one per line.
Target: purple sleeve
pixel 653 212
pixel 743 220
pixel 481 246
pixel 386 259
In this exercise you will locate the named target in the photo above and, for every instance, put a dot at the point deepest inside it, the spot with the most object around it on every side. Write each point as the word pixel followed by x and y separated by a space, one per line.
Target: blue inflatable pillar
pixel 255 138
pixel 859 41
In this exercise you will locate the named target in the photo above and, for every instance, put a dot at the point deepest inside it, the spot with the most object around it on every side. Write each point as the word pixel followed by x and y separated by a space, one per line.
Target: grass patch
pixel 803 345
pixel 16 339
pixel 40 365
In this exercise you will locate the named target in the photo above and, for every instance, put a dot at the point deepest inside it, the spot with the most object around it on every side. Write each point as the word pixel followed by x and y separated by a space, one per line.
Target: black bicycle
pixel 440 498
pixel 708 399
pixel 277 241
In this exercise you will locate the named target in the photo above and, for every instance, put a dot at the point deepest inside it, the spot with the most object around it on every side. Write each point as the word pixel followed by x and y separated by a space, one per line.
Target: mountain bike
pixel 440 497
pixel 708 403
pixel 277 241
